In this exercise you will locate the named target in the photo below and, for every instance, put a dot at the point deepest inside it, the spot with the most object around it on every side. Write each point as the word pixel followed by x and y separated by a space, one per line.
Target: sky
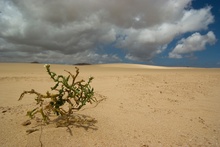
pixel 155 32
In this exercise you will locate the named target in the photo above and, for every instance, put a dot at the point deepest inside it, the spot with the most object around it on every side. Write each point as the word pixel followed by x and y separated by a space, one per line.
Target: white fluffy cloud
pixel 42 29
pixel 195 42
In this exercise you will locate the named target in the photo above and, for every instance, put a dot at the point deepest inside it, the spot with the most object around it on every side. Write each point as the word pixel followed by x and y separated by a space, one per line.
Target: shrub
pixel 66 91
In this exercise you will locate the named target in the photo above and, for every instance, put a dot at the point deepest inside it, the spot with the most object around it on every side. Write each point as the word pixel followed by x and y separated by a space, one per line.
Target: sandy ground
pixel 142 106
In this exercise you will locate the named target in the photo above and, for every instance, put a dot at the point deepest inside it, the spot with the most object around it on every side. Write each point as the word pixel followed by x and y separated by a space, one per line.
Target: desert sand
pixel 139 106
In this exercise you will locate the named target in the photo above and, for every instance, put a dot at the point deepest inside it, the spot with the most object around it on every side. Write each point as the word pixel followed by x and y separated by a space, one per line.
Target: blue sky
pixel 157 32
pixel 211 55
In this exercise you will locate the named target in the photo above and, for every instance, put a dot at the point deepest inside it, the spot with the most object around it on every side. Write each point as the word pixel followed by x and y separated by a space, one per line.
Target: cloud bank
pixel 79 30
pixel 195 42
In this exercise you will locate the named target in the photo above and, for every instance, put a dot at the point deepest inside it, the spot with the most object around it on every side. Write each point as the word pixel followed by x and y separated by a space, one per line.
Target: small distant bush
pixel 66 91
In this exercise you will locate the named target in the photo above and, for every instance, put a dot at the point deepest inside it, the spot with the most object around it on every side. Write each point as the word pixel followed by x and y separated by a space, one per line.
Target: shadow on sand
pixel 76 120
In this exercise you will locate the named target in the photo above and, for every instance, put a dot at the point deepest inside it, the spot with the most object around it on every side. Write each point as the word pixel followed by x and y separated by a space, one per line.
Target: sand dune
pixel 142 106
pixel 126 65
pixel 120 65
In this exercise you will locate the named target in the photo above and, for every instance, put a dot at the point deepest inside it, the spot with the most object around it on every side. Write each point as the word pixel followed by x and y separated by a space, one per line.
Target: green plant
pixel 67 91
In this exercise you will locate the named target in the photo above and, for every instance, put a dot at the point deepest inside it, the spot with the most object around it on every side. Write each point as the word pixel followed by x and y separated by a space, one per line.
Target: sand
pixel 141 106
